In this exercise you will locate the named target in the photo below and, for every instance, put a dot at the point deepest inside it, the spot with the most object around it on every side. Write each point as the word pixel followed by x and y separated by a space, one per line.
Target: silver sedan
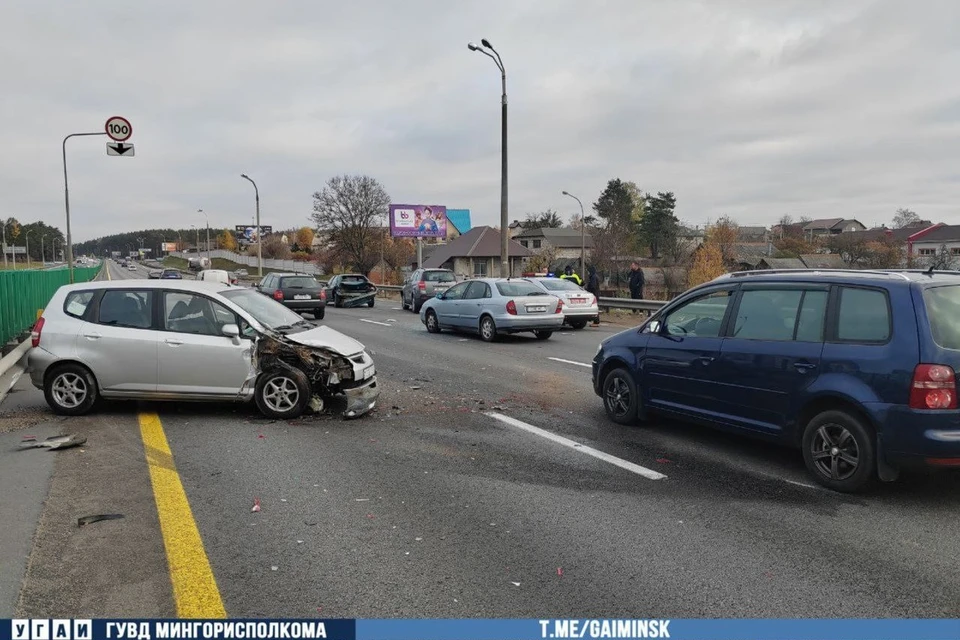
pixel 579 306
pixel 494 306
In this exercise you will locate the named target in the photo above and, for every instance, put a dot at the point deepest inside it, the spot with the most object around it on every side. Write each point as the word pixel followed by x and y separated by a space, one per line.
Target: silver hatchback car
pixel 195 341
pixel 494 306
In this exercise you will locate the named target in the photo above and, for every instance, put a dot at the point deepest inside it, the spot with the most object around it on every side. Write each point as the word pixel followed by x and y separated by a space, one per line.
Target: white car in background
pixel 579 305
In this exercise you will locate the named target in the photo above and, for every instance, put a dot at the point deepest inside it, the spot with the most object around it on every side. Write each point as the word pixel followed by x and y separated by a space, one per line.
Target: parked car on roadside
pixel 579 306
pixel 203 341
pixel 297 291
pixel 855 368
pixel 351 290
pixel 424 284
pixel 154 274
pixel 492 307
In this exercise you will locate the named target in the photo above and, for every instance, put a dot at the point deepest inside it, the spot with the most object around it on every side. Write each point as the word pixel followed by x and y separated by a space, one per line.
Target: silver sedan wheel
pixel 487 329
pixel 281 394
pixel 69 390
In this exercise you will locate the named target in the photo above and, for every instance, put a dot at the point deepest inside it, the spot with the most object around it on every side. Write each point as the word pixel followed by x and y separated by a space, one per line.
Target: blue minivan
pixel 856 368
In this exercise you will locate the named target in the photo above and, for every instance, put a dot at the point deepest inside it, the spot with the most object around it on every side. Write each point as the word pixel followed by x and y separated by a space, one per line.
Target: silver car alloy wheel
pixel 281 394
pixel 69 390
pixel 432 321
pixel 486 328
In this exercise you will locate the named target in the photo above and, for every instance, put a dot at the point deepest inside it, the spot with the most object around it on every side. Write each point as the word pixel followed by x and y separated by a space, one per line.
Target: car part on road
pixel 53 442
pixel 85 520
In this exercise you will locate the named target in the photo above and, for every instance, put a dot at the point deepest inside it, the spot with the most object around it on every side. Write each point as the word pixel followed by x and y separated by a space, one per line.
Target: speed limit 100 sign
pixel 119 128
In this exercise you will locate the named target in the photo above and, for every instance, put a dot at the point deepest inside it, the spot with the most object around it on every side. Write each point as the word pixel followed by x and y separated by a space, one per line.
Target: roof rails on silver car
pixel 758 272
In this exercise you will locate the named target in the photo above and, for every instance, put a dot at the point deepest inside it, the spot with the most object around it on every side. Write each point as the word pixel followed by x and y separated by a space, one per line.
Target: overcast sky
pixel 754 109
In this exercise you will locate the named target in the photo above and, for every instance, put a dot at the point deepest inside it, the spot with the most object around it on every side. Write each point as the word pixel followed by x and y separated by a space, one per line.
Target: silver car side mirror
pixel 232 331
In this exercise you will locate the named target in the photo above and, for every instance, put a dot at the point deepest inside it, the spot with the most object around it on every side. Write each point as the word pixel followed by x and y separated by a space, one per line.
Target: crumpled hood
pixel 327 338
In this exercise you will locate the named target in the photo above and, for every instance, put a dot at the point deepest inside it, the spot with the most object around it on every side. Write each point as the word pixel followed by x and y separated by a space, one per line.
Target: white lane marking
pixel 579 364
pixel 382 324
pixel 650 474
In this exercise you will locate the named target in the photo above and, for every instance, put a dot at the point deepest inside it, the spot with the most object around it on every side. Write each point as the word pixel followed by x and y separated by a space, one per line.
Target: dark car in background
pixel 171 274
pixel 424 284
pixel 351 290
pixel 855 368
pixel 297 291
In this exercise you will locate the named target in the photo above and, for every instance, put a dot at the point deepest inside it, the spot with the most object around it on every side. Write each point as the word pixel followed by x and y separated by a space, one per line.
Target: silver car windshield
pixel 268 312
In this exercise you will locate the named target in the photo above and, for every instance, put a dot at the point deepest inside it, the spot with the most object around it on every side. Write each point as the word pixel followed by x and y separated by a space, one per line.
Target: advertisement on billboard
pixel 167 247
pixel 247 234
pixel 418 221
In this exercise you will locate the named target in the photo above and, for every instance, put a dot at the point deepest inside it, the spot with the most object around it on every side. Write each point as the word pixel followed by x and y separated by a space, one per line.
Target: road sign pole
pixel 66 197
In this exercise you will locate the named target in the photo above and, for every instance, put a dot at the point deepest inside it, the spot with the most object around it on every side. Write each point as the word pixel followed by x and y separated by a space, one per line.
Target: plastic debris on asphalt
pixel 516 584
pixel 560 571
pixel 53 442
pixel 663 460
pixel 274 568
pixel 256 505
pixel 85 520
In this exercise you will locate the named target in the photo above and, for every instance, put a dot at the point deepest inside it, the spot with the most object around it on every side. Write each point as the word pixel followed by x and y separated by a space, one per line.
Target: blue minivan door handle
pixel 803 367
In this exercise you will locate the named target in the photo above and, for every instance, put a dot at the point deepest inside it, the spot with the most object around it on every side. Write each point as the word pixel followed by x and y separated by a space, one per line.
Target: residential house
pixel 831 226
pixel 911 238
pixel 928 243
pixel 563 243
pixel 823 261
pixel 780 263
pixel 753 235
pixel 748 256
pixel 477 254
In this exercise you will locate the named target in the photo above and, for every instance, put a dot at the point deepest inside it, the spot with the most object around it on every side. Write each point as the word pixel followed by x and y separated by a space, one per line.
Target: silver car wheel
pixel 487 329
pixel 69 390
pixel 281 394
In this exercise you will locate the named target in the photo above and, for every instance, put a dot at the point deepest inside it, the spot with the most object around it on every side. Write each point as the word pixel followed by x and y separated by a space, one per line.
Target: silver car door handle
pixel 92 336
pixel 173 342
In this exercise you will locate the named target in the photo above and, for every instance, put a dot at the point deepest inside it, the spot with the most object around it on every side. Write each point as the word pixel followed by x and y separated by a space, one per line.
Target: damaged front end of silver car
pixel 328 372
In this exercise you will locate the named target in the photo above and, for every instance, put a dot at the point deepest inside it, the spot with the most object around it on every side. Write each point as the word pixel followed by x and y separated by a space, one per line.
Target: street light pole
pixel 3 224
pixel 208 230
pixel 583 237
pixel 66 197
pixel 257 226
pixel 504 222
pixel 26 238
pixel 43 259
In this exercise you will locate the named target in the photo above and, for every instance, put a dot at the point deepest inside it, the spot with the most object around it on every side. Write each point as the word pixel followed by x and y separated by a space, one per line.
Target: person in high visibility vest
pixel 568 274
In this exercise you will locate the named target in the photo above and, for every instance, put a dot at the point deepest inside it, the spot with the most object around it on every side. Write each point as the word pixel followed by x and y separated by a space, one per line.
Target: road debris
pixel 560 571
pixel 274 568
pixel 415 388
pixel 362 499
pixel 664 460
pixel 53 442
pixel 256 505
pixel 85 520
pixel 516 584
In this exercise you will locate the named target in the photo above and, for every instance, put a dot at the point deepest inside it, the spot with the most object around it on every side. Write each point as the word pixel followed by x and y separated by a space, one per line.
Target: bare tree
pixel 904 218
pixel 349 209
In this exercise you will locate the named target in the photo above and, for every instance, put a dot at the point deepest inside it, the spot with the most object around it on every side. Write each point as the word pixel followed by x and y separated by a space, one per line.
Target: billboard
pixel 418 221
pixel 167 247
pixel 247 234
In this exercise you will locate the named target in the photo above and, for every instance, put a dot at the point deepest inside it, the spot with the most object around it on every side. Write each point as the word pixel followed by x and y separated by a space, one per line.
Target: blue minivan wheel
pixel 840 451
pixel 621 396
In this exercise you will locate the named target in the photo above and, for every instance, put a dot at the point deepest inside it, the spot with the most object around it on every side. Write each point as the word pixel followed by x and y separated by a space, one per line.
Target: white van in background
pixel 214 275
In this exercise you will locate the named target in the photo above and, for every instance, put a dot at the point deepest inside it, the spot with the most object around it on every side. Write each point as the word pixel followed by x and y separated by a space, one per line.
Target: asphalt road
pixel 437 506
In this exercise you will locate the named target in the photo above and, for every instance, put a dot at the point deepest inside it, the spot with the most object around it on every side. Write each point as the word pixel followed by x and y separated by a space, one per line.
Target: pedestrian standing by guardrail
pixel 636 282
pixel 568 274
pixel 593 286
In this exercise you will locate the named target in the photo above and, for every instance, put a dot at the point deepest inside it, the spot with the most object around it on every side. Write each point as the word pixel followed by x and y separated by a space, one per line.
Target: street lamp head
pixel 243 175
pixel 472 46
pixel 486 43
pixel 565 193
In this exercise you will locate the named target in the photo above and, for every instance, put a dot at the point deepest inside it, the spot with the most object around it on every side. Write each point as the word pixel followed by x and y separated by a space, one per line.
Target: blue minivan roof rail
pixel 759 272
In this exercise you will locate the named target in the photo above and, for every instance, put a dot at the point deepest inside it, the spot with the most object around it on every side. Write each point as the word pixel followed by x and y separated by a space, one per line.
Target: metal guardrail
pixel 630 304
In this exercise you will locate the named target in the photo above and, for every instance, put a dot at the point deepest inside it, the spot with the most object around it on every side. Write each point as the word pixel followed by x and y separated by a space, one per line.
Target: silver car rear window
pixel 517 289
pixel 560 285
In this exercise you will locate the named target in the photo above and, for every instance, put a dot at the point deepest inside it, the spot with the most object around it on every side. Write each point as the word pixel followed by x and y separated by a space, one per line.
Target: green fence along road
pixel 23 294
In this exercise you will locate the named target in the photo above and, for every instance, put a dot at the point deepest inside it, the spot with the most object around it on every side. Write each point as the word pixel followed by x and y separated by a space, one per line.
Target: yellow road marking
pixel 107 267
pixel 194 587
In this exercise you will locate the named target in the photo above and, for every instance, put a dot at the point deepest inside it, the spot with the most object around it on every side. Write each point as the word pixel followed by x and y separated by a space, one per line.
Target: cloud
pixel 748 108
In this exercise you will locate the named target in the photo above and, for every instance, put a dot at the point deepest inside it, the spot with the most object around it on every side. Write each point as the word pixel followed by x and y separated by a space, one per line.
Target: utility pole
pixel 257 226
pixel 66 197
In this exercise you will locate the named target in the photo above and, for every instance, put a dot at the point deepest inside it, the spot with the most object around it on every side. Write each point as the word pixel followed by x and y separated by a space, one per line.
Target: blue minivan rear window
pixel 943 311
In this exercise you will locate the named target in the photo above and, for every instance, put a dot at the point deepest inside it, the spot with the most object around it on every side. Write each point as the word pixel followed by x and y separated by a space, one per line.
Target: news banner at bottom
pixel 480 629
